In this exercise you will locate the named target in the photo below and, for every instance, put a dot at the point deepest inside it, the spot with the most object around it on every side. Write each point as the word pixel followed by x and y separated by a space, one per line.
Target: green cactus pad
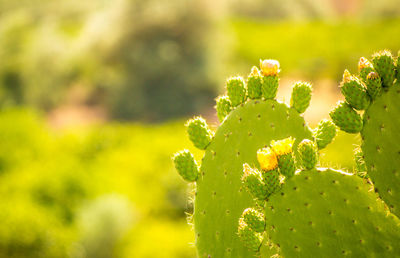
pixel 381 146
pixel 308 154
pixel 326 213
pixel 254 83
pixel 254 219
pixel 324 133
pixel 223 107
pixel 346 118
pixel 236 90
pixel 354 92
pixel 199 133
pixel 301 96
pixel 384 64
pixel 269 87
pixel 186 165
pixel 221 197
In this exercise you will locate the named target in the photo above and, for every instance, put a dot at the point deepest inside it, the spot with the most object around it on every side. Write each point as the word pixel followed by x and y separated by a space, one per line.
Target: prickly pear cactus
pixel 250 118
pixel 316 212
pixel 376 91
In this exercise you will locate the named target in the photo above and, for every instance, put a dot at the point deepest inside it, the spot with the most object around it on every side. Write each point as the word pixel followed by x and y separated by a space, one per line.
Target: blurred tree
pixel 145 60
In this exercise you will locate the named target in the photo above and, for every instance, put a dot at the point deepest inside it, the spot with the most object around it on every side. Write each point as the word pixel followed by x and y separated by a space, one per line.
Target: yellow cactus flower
pixel 267 159
pixel 269 67
pixel 282 147
pixel 347 77
pixel 363 63
pixel 254 71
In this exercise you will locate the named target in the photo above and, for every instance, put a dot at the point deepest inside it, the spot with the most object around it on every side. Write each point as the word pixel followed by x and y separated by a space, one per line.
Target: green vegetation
pixel 313 49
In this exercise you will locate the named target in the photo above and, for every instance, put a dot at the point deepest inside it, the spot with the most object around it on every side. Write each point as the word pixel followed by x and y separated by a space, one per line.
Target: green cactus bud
pixel 346 118
pixel 308 154
pixel 271 180
pixel 250 238
pixel 269 86
pixel 236 90
pixel 186 165
pixel 324 133
pixel 361 167
pixel 301 96
pixel 254 219
pixel 199 133
pixel 223 107
pixel 374 85
pixel 287 165
pixel 253 181
pixel 354 91
pixel 364 68
pixel 254 83
pixel 384 64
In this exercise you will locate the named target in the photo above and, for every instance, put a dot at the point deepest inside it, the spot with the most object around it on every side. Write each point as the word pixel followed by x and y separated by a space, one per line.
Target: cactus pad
pixel 320 213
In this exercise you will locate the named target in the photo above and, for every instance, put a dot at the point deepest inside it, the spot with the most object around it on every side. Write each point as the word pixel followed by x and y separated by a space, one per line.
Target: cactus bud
pixel 301 96
pixel 308 154
pixel 236 90
pixel 223 107
pixel 346 118
pixel 199 133
pixel 354 91
pixel 254 219
pixel 253 181
pixel 271 180
pixel 384 64
pixel 250 238
pixel 270 82
pixel 186 165
pixel 254 83
pixel 284 151
pixel 267 159
pixel 374 85
pixel 324 133
pixel 364 67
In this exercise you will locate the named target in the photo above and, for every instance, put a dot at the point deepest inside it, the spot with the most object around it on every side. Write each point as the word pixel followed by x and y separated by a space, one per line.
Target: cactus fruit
pixel 323 212
pixel 186 165
pixel 199 133
pixel 223 107
pixel 354 91
pixel 346 118
pixel 379 129
pixel 301 96
pixel 308 154
pixel 249 124
pixel 236 90
pixel 324 133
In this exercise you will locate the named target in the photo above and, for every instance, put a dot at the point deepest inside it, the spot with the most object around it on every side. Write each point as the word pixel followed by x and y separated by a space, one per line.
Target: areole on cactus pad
pixel 250 118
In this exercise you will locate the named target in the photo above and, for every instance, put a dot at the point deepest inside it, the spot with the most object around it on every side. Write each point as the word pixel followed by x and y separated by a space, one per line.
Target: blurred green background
pixel 94 95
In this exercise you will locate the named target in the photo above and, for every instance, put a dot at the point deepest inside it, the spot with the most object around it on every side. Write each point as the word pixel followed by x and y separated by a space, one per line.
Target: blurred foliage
pixel 101 191
pixel 313 49
pixel 144 60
